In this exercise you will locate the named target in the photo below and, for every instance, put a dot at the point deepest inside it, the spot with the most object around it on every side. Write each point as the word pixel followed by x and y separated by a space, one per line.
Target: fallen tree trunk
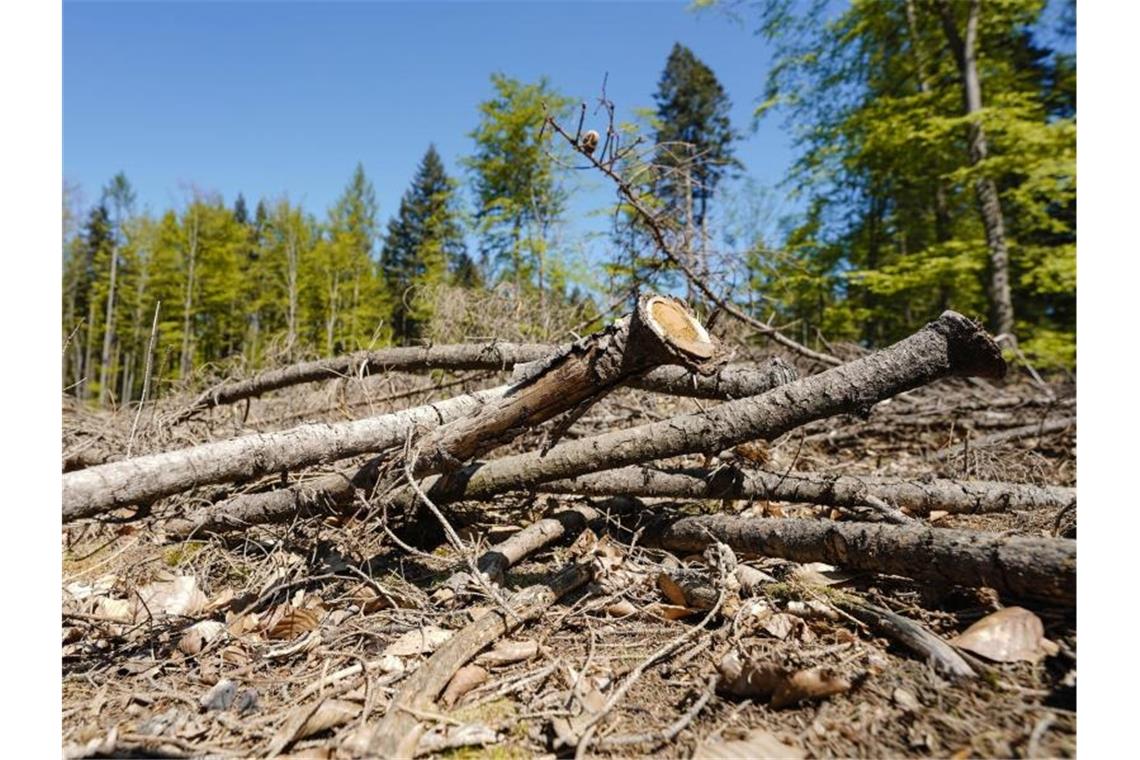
pixel 1044 569
pixel 102 487
pixel 400 730
pixel 951 345
pixel 143 479
pixel 918 497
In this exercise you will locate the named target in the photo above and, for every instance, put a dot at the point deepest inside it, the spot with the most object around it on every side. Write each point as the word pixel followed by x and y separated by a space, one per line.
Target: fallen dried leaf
pixel 199 635
pixel 621 608
pixel 669 611
pixel 1013 634
pixel 309 720
pixel 813 683
pixel 421 641
pixel 464 680
pixel 178 596
pixel 819 574
pixel 292 623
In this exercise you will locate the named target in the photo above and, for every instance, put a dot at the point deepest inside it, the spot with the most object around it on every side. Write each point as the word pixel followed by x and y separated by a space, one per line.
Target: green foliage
pixel 518 190
pixel 894 235
pixel 424 244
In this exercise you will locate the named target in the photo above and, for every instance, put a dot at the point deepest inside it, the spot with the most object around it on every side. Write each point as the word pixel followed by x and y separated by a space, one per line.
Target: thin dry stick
pixel 410 457
pixel 146 378
pixel 620 692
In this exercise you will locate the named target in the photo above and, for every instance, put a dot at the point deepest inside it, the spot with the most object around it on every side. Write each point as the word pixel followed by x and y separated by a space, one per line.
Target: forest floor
pixel 278 621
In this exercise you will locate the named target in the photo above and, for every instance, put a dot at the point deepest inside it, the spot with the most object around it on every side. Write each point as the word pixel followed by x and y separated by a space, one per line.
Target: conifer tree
pixel 352 295
pixel 423 243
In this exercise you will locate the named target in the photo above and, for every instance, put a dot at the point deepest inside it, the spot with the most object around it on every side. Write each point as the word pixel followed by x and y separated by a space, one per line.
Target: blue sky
pixel 271 98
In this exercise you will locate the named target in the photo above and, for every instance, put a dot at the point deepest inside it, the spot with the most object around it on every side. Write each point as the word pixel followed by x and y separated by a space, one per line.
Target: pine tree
pixel 423 243
pixel 93 245
pixel 694 140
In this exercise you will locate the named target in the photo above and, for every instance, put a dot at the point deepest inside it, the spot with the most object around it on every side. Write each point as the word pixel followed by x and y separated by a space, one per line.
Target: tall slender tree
pixel 694 138
pixel 518 189
pixel 121 196
pixel 423 243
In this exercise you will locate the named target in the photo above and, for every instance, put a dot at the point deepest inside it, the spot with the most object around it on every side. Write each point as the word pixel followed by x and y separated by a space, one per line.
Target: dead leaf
pixel 757 743
pixel 507 652
pixel 937 515
pixel 292 623
pixel 114 609
pixel 464 680
pixel 311 719
pixel 751 580
pixel 753 678
pixel 1013 634
pixel 621 608
pixel 813 683
pixel 199 635
pixel 819 574
pixel 178 596
pixel 669 611
pixel 781 624
pixel 420 641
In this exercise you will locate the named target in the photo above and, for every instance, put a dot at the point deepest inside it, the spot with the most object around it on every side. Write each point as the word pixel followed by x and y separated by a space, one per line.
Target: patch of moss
pixel 492 712
pixel 179 555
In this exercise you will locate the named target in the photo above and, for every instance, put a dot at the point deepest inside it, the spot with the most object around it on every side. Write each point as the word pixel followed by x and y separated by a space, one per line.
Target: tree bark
pixel 143 479
pixel 918 497
pixel 989 204
pixel 950 345
pixel 1043 569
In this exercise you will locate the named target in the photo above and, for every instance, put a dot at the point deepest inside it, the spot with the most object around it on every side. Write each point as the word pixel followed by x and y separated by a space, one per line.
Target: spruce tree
pixel 694 135
pixel 424 242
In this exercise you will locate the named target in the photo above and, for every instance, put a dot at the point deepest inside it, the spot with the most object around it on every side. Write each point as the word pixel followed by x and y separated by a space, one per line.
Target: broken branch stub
pixel 659 331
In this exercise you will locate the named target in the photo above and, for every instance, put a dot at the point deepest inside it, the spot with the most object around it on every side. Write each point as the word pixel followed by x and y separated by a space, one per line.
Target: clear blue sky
pixel 270 98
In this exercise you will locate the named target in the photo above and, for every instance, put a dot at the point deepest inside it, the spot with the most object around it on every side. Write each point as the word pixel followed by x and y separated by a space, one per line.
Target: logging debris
pixel 355 629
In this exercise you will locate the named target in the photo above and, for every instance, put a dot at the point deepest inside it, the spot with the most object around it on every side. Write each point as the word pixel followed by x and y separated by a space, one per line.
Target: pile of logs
pixel 428 457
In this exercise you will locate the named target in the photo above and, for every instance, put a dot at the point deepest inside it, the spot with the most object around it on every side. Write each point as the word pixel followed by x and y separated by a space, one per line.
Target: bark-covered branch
pixel 143 479
pixel 917 496
pixel 951 345
pixel 1032 568
pixel 475 356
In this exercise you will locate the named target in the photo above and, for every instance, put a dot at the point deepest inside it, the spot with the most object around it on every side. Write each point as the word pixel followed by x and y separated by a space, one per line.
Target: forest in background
pixel 936 162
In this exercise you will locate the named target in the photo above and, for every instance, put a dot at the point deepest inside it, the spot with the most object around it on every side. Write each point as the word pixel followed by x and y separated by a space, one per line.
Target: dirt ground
pixel 273 626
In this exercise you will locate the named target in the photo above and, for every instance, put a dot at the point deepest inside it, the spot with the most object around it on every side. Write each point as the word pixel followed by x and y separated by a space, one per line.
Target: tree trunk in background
pixel 108 331
pixel 965 54
pixel 186 359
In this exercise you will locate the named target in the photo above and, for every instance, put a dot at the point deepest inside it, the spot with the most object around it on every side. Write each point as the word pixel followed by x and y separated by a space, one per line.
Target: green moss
pixel 179 555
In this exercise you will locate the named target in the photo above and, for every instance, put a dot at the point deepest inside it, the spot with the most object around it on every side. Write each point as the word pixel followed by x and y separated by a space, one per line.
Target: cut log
pixel 102 488
pixel 659 331
pixel 917 496
pixel 1043 569
pixel 951 345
